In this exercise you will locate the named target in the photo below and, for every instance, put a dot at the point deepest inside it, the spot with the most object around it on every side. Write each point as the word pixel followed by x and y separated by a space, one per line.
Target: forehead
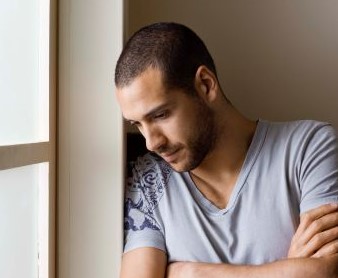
pixel 144 93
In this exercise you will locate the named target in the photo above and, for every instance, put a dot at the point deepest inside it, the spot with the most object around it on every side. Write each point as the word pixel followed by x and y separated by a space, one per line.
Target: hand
pixel 317 234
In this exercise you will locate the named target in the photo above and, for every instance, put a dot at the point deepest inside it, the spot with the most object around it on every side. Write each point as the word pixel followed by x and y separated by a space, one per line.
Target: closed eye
pixel 134 123
pixel 161 115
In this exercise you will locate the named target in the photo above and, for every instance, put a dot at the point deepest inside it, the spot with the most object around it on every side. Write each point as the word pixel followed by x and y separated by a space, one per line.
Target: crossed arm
pixel 313 253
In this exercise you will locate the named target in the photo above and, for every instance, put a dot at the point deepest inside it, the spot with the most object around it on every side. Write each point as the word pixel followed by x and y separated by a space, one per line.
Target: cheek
pixel 181 127
pixel 179 132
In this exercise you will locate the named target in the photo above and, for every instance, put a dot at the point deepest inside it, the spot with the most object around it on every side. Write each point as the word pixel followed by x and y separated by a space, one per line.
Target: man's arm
pixel 313 253
pixel 291 268
pixel 144 263
pixel 317 233
pixel 307 242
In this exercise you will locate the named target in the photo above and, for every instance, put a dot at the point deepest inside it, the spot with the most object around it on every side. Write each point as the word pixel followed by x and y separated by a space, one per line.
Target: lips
pixel 170 157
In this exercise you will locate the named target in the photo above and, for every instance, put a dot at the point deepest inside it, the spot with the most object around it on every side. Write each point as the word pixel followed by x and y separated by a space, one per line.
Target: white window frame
pixel 18 155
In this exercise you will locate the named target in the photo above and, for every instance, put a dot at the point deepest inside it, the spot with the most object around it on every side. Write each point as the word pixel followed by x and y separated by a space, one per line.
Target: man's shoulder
pixel 149 165
pixel 299 124
pixel 148 178
pixel 296 137
pixel 300 128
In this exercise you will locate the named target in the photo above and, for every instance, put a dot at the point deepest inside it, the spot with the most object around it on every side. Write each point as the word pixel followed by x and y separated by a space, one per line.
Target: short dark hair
pixel 172 48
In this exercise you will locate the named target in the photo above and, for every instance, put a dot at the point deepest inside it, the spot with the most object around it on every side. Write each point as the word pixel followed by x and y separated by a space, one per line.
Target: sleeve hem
pixel 316 203
pixel 154 240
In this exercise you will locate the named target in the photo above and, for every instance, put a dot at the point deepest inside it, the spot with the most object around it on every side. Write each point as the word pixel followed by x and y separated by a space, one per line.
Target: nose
pixel 155 138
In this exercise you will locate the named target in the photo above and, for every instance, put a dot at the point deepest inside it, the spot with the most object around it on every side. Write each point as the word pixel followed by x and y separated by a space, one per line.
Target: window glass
pixel 23 195
pixel 24 74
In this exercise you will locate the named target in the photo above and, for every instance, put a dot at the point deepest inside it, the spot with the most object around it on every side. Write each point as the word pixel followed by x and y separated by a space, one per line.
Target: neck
pixel 234 136
pixel 221 166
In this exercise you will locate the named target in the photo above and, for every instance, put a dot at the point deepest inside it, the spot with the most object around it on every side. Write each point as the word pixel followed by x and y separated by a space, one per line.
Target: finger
pixel 299 244
pixel 313 237
pixel 314 231
pixel 327 250
pixel 322 239
pixel 309 218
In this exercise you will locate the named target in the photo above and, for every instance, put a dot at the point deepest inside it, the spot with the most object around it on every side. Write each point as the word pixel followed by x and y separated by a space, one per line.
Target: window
pixel 27 138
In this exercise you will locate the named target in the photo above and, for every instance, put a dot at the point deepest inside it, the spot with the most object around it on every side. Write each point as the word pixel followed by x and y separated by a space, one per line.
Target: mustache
pixel 167 149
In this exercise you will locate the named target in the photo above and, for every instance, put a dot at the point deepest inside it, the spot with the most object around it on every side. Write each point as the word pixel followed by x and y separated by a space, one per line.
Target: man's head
pixel 167 86
pixel 174 49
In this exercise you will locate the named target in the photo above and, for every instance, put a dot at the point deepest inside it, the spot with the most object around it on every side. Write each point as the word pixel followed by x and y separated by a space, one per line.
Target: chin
pixel 183 167
pixel 178 168
pixel 185 164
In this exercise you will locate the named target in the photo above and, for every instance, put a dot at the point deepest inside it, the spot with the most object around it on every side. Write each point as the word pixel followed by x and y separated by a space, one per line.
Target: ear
pixel 206 83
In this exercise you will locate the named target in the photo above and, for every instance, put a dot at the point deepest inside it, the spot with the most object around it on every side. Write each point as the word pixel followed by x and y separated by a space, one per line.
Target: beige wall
pixel 90 140
pixel 277 60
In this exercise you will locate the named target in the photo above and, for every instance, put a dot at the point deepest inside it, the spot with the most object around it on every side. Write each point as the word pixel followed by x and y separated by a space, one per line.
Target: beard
pixel 201 140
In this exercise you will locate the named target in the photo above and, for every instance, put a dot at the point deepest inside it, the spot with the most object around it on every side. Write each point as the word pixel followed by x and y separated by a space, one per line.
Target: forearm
pixel 291 268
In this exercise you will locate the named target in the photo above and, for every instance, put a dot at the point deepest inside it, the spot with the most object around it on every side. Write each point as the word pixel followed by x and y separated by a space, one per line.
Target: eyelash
pixel 161 115
pixel 134 123
pixel 158 116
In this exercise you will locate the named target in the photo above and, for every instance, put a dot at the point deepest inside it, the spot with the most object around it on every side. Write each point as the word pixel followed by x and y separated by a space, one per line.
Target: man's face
pixel 178 127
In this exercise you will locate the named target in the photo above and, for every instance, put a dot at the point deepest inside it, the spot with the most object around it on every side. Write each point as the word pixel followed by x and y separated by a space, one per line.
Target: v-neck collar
pixel 251 156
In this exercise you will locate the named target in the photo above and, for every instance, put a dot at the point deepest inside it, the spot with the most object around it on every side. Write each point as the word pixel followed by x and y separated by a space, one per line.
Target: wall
pixel 90 140
pixel 277 60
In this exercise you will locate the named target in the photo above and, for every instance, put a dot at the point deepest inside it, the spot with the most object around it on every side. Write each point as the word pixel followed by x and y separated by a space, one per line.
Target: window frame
pixel 19 155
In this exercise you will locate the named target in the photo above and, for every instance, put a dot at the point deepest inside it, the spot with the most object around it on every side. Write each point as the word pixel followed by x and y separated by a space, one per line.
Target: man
pixel 219 195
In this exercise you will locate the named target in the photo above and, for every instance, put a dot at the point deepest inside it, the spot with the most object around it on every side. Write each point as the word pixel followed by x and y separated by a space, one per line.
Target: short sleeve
pixel 144 190
pixel 319 168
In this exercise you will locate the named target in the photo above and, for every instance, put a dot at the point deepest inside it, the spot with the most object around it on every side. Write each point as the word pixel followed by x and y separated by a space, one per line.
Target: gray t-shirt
pixel 289 168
